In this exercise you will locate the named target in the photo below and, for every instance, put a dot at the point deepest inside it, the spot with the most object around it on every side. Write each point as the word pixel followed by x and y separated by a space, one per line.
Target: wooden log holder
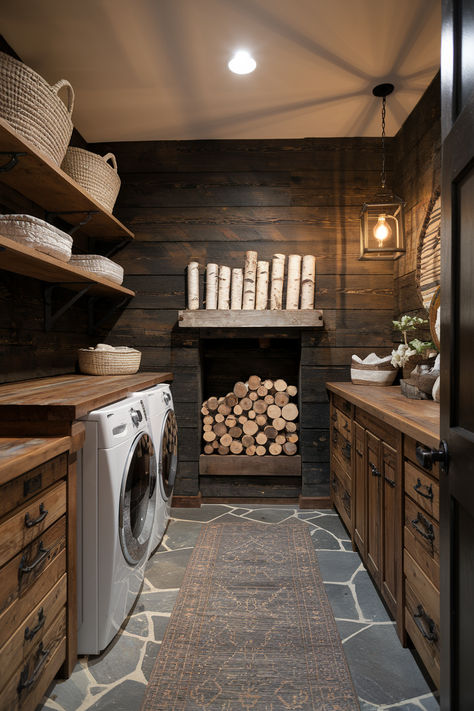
pixel 237 465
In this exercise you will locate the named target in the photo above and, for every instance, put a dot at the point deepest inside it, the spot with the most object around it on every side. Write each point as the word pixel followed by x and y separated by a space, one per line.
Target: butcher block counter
pixel 49 406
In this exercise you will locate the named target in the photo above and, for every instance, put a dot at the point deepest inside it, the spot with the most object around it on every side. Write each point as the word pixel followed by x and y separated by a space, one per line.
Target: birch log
pixel 224 288
pixel 250 272
pixel 212 278
pixel 278 274
pixel 236 292
pixel 308 273
pixel 293 282
pixel 263 269
pixel 193 286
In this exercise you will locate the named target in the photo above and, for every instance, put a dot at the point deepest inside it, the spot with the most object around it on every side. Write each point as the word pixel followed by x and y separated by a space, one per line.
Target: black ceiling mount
pixel 383 89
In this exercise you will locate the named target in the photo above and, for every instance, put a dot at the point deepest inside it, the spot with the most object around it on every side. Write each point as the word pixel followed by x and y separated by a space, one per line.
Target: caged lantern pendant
pixel 382 229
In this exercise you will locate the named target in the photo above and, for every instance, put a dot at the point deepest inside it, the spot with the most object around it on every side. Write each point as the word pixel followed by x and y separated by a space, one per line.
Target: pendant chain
pixel 383 144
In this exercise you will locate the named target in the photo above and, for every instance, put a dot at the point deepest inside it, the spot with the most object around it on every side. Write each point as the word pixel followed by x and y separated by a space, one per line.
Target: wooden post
pixel 278 274
pixel 193 286
pixel 236 291
pixel 262 285
pixel 224 287
pixel 250 272
pixel 212 277
pixel 293 282
pixel 308 274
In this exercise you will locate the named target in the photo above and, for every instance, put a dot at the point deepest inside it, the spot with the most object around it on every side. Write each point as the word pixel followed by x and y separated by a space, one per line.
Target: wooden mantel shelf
pixel 17 258
pixel 218 318
pixel 36 177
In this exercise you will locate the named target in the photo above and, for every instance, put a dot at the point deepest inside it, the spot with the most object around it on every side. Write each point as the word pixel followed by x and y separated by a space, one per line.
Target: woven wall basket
pixel 93 362
pixel 33 108
pixel 97 264
pixel 37 234
pixel 94 174
pixel 372 374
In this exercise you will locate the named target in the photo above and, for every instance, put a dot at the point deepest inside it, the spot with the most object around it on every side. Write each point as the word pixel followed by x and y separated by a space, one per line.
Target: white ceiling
pixel 157 69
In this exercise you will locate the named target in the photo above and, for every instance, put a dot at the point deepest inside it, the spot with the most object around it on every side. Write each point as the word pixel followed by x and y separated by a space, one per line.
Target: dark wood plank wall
pixel 211 201
pixel 417 165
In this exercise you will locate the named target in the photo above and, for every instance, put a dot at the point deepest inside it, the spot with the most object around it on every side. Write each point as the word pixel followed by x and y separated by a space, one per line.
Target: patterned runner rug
pixel 252 628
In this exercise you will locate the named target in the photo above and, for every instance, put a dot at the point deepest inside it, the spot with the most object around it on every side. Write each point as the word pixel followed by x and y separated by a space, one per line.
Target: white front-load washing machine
pixel 117 490
pixel 158 404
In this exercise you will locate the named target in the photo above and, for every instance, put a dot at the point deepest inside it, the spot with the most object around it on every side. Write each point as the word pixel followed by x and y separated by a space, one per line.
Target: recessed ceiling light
pixel 242 62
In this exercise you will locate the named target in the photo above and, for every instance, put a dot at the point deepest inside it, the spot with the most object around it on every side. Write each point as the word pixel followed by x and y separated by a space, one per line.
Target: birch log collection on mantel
pixel 250 274
pixel 236 290
pixel 261 298
pixel 193 286
pixel 224 288
pixel 212 279
pixel 278 275
pixel 308 274
pixel 293 282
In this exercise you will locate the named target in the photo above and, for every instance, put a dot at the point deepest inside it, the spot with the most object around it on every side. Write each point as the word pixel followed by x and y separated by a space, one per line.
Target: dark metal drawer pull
pixel 429 489
pixel 390 482
pixel 30 633
pixel 359 452
pixel 374 470
pixel 29 523
pixel 429 534
pixel 334 417
pixel 42 553
pixel 334 436
pixel 25 683
pixel 420 615
pixel 346 450
pixel 334 483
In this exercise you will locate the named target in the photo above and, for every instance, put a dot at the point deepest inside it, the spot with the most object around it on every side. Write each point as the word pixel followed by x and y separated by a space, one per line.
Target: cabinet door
pixel 391 528
pixel 359 490
pixel 374 506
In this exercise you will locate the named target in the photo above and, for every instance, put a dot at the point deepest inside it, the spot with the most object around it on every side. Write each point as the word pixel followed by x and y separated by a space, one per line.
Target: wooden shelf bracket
pixel 94 323
pixel 6 167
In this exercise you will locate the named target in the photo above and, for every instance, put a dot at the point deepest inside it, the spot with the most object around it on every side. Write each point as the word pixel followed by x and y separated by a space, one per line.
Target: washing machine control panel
pixel 166 398
pixel 136 416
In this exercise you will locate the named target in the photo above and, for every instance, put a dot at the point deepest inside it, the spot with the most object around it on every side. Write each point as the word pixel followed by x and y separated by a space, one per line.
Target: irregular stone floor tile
pixel 160 623
pixel 166 569
pixel 333 524
pixel 162 601
pixel 240 512
pixel 152 649
pixel 368 598
pixel 342 602
pixel 138 624
pixel 323 540
pixel 431 703
pixel 337 566
pixel 182 534
pixel 347 628
pixel 126 696
pixel 206 513
pixel 70 693
pixel 270 515
pixel 118 660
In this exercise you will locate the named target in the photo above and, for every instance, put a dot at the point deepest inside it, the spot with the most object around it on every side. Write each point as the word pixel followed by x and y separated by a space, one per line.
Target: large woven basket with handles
pixel 94 174
pixel 33 108
pixel 116 362
pixel 381 374
pixel 97 264
pixel 37 234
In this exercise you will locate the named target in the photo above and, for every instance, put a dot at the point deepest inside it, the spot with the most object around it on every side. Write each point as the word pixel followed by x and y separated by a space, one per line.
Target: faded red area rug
pixel 252 628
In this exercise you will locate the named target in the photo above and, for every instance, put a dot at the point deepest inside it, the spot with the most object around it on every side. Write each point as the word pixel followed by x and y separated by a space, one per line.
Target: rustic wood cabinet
pixel 389 502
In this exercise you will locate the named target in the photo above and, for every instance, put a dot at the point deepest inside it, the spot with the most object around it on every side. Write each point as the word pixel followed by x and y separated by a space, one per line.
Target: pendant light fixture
pixel 382 228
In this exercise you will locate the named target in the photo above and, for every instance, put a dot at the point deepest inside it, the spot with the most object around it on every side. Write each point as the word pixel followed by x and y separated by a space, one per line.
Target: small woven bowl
pixel 108 362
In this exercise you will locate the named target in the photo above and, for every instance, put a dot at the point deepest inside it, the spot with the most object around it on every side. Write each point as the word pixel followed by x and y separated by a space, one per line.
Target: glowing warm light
pixel 381 230
pixel 242 62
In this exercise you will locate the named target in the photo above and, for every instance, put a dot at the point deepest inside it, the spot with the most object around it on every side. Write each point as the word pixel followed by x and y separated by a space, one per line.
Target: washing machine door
pixel 138 499
pixel 169 453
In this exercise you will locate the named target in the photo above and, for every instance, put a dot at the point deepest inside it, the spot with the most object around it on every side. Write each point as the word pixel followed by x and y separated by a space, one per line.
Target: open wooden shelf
pixel 216 318
pixel 36 177
pixel 15 257
pixel 242 465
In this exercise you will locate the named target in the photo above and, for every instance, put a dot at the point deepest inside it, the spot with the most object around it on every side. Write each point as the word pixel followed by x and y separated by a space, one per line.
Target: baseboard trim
pixel 270 500
pixel 187 502
pixel 315 502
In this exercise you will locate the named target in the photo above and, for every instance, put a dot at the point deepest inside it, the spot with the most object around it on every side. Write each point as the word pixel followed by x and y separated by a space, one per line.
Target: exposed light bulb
pixel 382 231
pixel 242 62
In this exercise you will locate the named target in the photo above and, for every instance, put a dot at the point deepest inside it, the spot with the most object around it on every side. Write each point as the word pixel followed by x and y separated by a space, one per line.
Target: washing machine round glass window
pixel 169 453
pixel 138 499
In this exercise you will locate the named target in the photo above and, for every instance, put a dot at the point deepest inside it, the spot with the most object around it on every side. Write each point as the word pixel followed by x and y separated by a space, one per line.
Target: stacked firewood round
pixel 258 417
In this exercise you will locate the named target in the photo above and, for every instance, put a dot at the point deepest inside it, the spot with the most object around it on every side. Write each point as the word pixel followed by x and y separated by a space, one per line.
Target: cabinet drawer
pixel 341 423
pixel 31 632
pixel 20 529
pixel 341 448
pixel 422 489
pixel 27 577
pixel 409 452
pixel 341 493
pixel 379 428
pixel 422 539
pixel 18 491
pixel 32 677
pixel 343 405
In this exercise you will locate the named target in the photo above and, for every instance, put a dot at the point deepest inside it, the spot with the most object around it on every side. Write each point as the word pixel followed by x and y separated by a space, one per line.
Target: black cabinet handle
pixel 346 450
pixel 334 417
pixel 390 482
pixel 42 553
pixel 426 456
pixel 428 533
pixel 374 470
pixel 428 632
pixel 29 523
pixel 334 483
pixel 30 633
pixel 26 682
pixel 429 490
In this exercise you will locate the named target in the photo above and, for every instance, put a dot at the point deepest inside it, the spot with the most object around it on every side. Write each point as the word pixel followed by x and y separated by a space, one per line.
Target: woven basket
pixel 381 374
pixel 97 264
pixel 37 234
pixel 33 108
pixel 93 362
pixel 94 174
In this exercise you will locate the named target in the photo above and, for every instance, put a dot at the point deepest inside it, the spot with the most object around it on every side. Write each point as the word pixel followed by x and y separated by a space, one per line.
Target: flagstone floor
pixel 386 676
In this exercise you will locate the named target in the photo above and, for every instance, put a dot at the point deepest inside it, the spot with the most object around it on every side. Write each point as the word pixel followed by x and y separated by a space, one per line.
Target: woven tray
pixel 92 362
pixel 33 108
pixel 97 264
pixel 38 234
pixel 94 174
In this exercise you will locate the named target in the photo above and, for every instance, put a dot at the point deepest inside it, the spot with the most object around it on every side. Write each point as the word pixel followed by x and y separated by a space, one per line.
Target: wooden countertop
pixel 20 454
pixel 417 418
pixel 48 406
